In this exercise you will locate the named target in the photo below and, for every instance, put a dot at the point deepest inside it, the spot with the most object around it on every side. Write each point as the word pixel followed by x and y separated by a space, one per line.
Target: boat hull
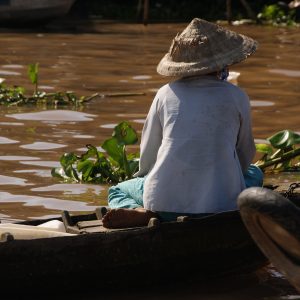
pixel 274 224
pixel 206 248
pixel 31 11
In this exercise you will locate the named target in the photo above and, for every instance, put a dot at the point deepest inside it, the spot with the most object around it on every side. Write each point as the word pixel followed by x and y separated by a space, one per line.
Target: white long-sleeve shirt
pixel 196 143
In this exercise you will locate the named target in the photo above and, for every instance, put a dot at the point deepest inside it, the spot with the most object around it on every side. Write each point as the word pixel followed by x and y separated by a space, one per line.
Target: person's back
pixel 197 169
pixel 197 144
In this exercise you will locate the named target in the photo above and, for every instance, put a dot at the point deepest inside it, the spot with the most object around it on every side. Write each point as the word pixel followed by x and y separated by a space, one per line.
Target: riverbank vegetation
pixel 259 11
pixel 113 163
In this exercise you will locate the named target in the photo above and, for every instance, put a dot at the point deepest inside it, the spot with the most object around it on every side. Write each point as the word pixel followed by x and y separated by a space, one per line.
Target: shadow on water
pixel 259 286
pixel 71 25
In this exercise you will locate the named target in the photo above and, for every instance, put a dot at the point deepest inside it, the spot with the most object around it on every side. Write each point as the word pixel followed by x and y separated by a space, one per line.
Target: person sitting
pixel 197 144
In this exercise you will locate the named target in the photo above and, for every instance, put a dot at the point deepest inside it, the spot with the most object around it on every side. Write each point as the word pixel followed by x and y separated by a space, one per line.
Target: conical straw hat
pixel 203 48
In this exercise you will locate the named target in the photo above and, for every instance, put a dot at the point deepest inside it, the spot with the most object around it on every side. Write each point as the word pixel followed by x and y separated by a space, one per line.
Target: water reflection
pixel 140 121
pixel 83 136
pixel 46 87
pixel 141 77
pixel 12 66
pixel 290 73
pixel 9 73
pixel 51 164
pixel 256 103
pixel 261 141
pixel 37 172
pixel 42 146
pixel 17 158
pixel 4 180
pixel 54 115
pixel 99 148
pixel 11 124
pixel 4 140
pixel 110 126
pixel 71 188
pixel 49 203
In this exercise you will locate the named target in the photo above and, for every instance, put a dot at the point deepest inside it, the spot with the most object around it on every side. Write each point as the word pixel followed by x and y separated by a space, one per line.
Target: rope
pixel 291 189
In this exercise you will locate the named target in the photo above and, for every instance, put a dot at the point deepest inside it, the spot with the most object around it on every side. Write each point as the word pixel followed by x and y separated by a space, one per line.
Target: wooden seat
pixel 86 223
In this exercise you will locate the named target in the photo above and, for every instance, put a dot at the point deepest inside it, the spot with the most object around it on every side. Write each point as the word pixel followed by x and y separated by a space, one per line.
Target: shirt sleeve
pixel 245 143
pixel 151 140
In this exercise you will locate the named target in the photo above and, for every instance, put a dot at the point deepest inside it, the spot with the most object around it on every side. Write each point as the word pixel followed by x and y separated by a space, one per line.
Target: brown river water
pixel 121 58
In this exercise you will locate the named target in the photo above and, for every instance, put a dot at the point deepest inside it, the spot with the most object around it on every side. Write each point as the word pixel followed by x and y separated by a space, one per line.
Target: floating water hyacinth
pixel 116 165
pixel 16 95
pixel 282 154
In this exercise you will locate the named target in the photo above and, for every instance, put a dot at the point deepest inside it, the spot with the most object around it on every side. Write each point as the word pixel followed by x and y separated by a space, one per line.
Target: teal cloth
pixel 129 194
pixel 254 176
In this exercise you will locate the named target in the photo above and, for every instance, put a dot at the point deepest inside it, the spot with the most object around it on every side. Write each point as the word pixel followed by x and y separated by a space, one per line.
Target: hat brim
pixel 168 67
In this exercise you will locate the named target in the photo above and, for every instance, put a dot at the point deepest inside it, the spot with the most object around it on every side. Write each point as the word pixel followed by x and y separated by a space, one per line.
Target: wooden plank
pixel 87 224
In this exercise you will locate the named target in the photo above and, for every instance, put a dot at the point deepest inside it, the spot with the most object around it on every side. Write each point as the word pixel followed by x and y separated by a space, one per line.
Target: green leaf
pixel 33 72
pixel 113 149
pixel 284 139
pixel 90 153
pixel 20 90
pixel 94 166
pixel 125 134
pixel 86 168
pixel 133 166
pixel 264 148
pixel 68 159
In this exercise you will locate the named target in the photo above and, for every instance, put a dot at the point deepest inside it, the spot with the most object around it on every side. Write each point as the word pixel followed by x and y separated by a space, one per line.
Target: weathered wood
pixel 274 224
pixel 205 248
pixel 214 246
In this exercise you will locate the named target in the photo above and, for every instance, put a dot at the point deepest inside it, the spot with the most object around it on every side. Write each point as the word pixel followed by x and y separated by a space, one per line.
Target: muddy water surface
pixel 115 58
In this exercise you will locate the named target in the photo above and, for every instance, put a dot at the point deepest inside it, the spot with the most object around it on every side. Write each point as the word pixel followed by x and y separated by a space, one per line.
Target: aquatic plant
pixel 33 70
pixel 275 15
pixel 281 154
pixel 15 95
pixel 94 166
pixel 116 165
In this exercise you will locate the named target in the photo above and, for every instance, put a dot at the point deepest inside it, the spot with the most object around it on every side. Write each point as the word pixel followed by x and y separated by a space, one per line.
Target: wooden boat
pixel 274 224
pixel 16 12
pixel 213 246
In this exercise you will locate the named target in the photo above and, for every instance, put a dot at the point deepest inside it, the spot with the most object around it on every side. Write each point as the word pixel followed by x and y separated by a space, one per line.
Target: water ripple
pixel 8 180
pixel 9 73
pixel 49 203
pixel 289 73
pixel 141 77
pixel 4 140
pixel 261 103
pixel 54 115
pixel 73 189
pixel 50 164
pixel 42 146
pixel 16 158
